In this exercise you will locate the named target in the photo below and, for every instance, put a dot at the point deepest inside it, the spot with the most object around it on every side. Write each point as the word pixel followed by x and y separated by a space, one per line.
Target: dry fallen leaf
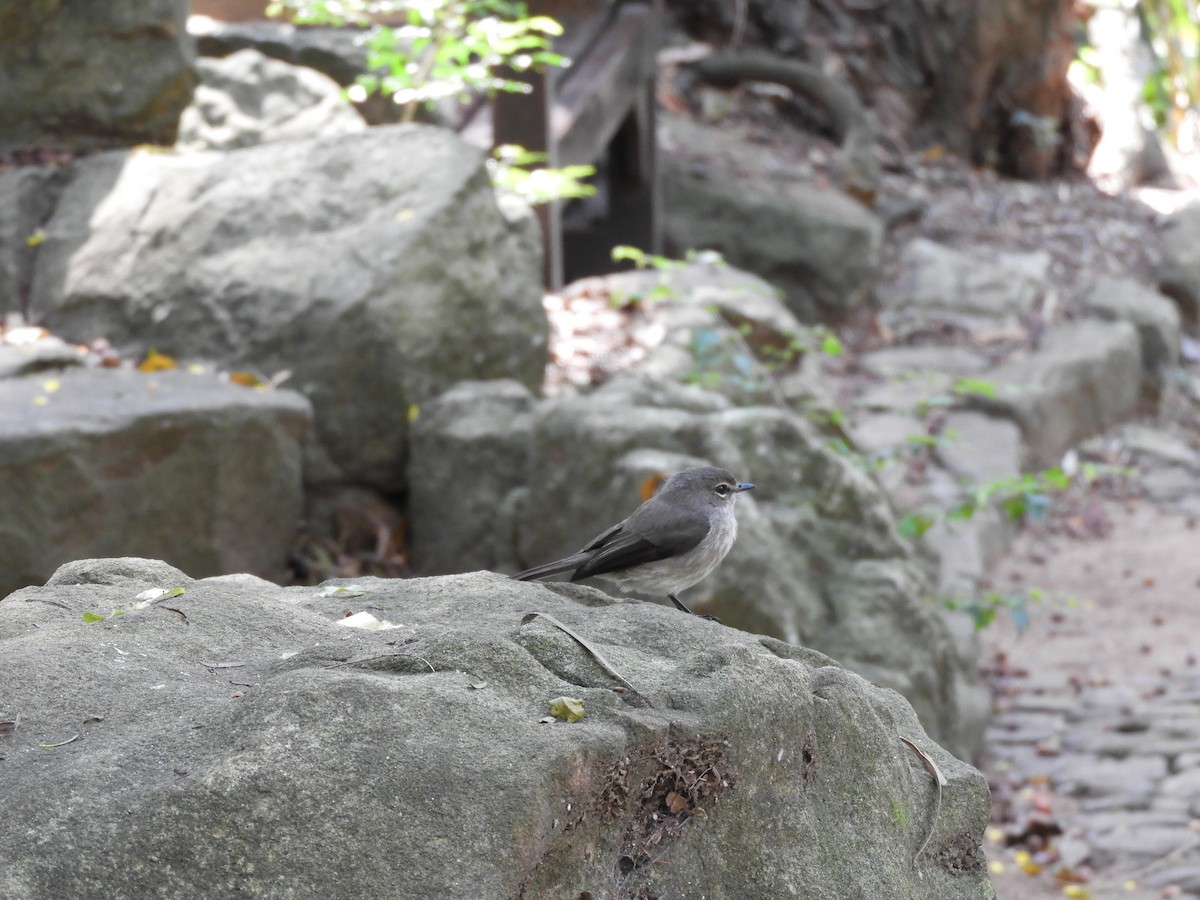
pixel 157 362
pixel 569 709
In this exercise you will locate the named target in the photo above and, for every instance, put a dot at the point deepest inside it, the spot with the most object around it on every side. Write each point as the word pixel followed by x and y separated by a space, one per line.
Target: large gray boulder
pixel 817 562
pixel 248 98
pixel 1179 271
pixel 340 53
pixel 376 267
pixel 261 750
pixel 1085 377
pixel 820 247
pixel 27 198
pixel 93 74
pixel 187 468
pixel 1155 316
pixel 937 277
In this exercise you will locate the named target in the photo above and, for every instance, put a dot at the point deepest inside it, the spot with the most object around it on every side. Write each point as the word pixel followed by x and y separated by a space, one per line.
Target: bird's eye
pixel 723 490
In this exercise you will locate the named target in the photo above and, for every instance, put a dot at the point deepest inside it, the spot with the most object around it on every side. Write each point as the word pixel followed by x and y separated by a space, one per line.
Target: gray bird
pixel 668 544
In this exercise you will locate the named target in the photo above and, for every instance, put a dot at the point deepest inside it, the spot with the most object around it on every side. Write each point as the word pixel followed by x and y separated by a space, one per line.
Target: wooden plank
pixel 595 95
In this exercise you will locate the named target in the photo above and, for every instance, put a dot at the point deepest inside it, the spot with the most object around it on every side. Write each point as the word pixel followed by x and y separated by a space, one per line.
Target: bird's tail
pixel 553 568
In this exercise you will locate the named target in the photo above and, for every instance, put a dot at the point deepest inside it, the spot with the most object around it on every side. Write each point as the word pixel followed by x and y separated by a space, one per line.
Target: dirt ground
pixel 1121 610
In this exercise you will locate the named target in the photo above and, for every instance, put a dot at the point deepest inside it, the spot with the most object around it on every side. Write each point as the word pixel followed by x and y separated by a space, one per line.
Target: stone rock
pixel 739 767
pixel 189 468
pixel 968 550
pixel 979 449
pixel 936 277
pixel 909 379
pixel 321 257
pixel 820 247
pixel 716 325
pixel 1133 779
pixel 1183 788
pixel 910 392
pixel 47 353
pixel 340 53
pixel 1158 445
pixel 27 198
pixel 1083 379
pixel 1179 271
pixel 817 540
pixel 1156 318
pixel 248 99
pixel 1185 877
pixel 482 429
pixel 86 75
pixel 902 361
pixel 884 436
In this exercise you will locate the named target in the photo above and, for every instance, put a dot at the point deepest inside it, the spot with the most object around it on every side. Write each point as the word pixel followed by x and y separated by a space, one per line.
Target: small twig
pixel 604 663
pixel 179 611
pixel 73 737
pixel 212 665
pixel 939 781
pixel 51 602
pixel 355 662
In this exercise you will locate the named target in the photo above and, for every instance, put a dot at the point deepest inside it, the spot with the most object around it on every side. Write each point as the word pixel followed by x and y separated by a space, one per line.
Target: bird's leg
pixel 679 604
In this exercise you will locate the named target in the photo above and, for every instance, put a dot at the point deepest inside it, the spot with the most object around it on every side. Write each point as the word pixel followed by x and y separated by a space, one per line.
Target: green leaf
pixel 914 525
pixel 831 345
pixel 1016 506
pixel 975 386
pixel 93 617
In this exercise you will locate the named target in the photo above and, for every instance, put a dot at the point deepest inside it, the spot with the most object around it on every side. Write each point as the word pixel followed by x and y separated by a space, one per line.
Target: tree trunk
pixel 986 79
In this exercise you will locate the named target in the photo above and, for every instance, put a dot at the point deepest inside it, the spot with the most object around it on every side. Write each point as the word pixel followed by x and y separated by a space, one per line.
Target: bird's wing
pixel 553 568
pixel 625 545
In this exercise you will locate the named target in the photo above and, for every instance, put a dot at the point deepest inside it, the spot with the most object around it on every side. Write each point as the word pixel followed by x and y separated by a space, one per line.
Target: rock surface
pixel 939 277
pixel 261 750
pixel 93 74
pixel 1179 272
pixel 337 52
pixel 27 198
pixel 821 248
pixel 1085 377
pixel 324 257
pixel 248 98
pixel 817 561
pixel 1155 316
pixel 189 468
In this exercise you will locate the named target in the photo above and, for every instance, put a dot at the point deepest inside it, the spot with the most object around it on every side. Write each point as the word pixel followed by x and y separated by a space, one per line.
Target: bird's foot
pixel 679 604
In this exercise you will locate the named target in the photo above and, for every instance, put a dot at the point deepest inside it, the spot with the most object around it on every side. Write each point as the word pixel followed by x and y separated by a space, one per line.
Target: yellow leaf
pixel 995 867
pixel 157 362
pixel 936 152
pixel 36 238
pixel 1077 892
pixel 246 379
pixel 195 369
pixel 50 385
pixel 995 835
pixel 1025 863
pixel 569 709
pixel 414 413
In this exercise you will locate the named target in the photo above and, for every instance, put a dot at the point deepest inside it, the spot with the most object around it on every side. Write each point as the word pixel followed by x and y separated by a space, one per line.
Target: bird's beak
pixel 743 487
